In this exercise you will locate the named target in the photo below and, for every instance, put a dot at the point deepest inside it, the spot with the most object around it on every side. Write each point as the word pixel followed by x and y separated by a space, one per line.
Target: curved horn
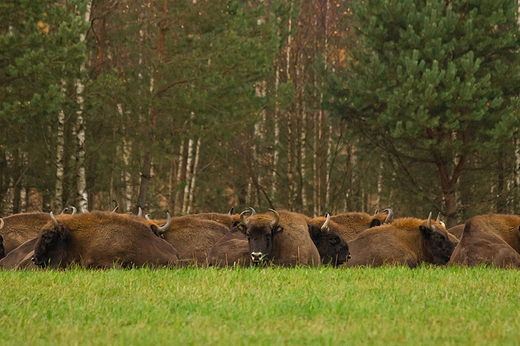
pixel 438 218
pixel 64 210
pixel 230 212
pixel 147 217
pixel 54 221
pixel 140 213
pixel 325 227
pixel 276 218
pixel 253 212
pixel 74 210
pixel 376 212
pixel 115 209
pixel 390 215
pixel 166 227
pixel 242 218
pixel 429 222
pixel 1 223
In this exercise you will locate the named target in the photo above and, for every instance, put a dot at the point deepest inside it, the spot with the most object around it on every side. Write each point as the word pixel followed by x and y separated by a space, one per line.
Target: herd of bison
pixel 101 239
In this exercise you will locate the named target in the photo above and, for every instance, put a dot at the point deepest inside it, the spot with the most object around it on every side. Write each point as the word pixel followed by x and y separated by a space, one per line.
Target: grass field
pixel 261 306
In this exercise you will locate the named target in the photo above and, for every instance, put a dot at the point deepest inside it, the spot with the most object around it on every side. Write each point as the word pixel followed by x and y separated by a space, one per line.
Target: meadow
pixel 269 306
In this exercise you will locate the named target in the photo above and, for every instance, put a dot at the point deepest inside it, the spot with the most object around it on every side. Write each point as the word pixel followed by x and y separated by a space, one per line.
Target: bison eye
pixel 47 238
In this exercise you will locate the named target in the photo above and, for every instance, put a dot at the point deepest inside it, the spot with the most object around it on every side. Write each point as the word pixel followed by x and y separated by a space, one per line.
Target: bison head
pixel 437 243
pixel 50 248
pixel 331 246
pixel 260 235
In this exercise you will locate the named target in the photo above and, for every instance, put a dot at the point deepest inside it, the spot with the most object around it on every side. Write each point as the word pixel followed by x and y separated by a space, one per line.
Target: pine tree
pixel 433 82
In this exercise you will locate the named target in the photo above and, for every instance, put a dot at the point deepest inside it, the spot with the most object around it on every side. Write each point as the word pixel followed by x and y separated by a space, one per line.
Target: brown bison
pixel 231 250
pixel 283 240
pixel 19 228
pixel 191 236
pixel 100 240
pixel 456 231
pixel 350 225
pixel 325 235
pixel 492 239
pixel 406 241
pixel 21 257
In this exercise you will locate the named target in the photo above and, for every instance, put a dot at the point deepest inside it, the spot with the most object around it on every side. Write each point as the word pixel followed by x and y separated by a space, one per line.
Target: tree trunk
pixel 80 131
pixel 189 160
pixel 178 178
pixel 60 139
pixel 194 175
pixel 276 152
pixel 289 126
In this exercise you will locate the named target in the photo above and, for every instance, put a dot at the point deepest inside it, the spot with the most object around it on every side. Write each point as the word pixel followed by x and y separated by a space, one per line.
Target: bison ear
pixel 375 222
pixel 154 229
pixel 278 229
pixel 425 231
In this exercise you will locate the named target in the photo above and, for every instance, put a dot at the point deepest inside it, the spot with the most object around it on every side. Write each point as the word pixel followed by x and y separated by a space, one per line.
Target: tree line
pixel 313 106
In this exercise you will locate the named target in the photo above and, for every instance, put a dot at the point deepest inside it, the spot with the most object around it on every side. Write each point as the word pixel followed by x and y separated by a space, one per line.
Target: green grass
pixel 269 306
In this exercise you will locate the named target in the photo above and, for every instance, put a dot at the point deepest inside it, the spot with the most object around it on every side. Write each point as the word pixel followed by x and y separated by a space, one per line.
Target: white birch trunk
pixel 127 178
pixel 9 199
pixel 328 170
pixel 60 139
pixel 303 136
pixel 188 177
pixel 289 124
pixel 276 152
pixel 80 159
pixel 23 183
pixel 194 175
pixel 181 164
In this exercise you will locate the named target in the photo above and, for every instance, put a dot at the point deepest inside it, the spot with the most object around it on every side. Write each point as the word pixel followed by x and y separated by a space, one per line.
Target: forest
pixel 315 106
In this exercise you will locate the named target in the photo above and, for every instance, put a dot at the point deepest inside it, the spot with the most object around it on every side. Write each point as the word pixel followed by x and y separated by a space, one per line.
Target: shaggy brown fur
pixel 333 249
pixel 224 219
pixel 101 240
pixel 405 241
pixel 350 225
pixel 457 231
pixel 231 250
pixel 192 237
pixel 20 258
pixel 19 228
pixel 291 243
pixel 492 239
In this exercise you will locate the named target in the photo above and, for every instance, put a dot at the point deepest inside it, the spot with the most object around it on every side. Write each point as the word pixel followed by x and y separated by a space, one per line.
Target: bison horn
pixel 429 222
pixel 115 209
pixel 230 212
pixel 1 223
pixel 390 215
pixel 253 212
pixel 147 217
pixel 325 227
pixel 276 218
pixel 74 210
pixel 166 227
pixel 64 210
pixel 54 221
pixel 140 213
pixel 438 218
pixel 242 218
pixel 376 212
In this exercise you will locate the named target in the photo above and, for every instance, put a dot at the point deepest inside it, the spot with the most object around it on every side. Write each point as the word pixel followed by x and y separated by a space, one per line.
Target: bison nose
pixel 349 257
pixel 33 259
pixel 256 256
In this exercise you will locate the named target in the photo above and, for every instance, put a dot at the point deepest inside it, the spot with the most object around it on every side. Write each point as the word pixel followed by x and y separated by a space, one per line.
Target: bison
pixel 191 236
pixel 100 240
pixel 21 257
pixel 350 225
pixel 19 228
pixel 284 240
pixel 325 235
pixel 406 241
pixel 492 239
